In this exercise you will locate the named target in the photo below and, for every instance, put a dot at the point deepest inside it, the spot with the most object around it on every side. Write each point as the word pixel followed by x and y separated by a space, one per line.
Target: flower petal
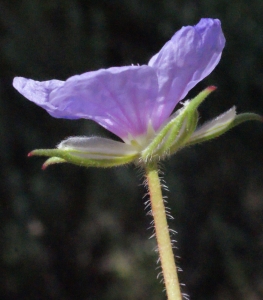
pixel 120 98
pixel 191 54
pixel 36 91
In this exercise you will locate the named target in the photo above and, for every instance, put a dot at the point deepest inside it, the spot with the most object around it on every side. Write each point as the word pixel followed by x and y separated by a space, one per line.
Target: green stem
pixel 162 233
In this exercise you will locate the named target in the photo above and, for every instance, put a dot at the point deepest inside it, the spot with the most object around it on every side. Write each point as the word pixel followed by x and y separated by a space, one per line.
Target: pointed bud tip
pixel 30 154
pixel 211 88
pixel 44 166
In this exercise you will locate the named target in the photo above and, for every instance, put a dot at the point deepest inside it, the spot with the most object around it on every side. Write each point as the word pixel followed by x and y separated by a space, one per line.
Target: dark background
pixel 75 233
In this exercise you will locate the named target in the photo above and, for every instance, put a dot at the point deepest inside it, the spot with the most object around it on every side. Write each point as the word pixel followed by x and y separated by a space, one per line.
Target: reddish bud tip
pixel 44 166
pixel 211 88
pixel 30 154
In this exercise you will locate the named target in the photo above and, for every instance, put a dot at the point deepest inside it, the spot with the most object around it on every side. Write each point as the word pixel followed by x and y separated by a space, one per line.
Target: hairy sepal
pixel 52 161
pixel 89 152
pixel 187 131
pixel 177 130
pixel 241 118
pixel 213 128
pixel 220 125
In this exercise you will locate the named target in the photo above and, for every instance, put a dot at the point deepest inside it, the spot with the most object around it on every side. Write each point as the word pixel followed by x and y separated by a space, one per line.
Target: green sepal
pixel 241 118
pixel 74 157
pixel 220 130
pixel 166 140
pixel 53 161
pixel 190 127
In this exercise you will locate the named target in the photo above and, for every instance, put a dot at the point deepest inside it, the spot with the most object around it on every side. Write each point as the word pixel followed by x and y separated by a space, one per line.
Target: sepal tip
pixel 33 153
pixel 44 166
pixel 52 161
pixel 211 88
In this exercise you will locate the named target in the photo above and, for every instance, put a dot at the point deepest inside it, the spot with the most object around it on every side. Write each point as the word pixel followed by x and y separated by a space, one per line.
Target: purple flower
pixel 131 99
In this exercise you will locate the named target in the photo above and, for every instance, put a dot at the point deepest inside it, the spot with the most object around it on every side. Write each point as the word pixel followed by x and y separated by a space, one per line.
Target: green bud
pixel 89 152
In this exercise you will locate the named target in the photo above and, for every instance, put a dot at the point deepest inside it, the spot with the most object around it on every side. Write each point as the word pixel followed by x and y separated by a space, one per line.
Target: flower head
pixel 133 102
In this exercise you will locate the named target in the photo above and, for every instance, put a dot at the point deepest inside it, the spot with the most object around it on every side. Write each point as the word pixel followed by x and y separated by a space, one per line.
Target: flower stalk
pixel 167 260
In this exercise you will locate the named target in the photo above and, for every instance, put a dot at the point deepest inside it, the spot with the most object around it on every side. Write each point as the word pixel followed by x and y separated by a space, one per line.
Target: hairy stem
pixel 162 233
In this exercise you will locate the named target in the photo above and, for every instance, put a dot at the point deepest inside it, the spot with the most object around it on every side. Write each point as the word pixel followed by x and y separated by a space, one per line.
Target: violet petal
pixel 120 98
pixel 191 54
pixel 37 91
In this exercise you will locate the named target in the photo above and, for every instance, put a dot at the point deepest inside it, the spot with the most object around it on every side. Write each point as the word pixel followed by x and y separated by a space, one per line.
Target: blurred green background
pixel 74 233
